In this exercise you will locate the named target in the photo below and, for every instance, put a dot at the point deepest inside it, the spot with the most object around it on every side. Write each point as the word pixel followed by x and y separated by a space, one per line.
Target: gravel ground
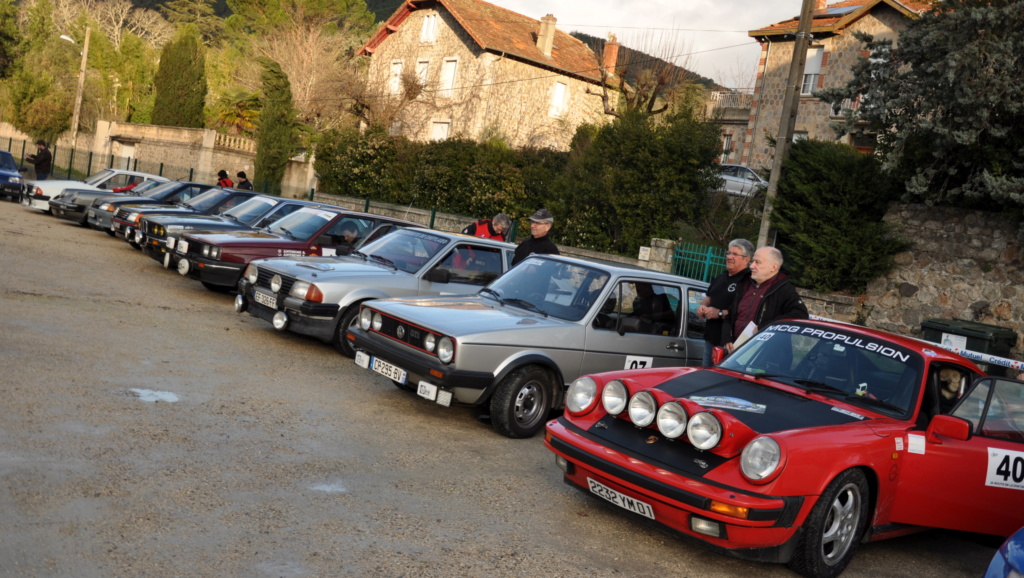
pixel 148 430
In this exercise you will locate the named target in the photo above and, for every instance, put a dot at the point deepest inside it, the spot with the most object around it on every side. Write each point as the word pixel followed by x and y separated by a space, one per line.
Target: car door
pixel 975 484
pixel 468 266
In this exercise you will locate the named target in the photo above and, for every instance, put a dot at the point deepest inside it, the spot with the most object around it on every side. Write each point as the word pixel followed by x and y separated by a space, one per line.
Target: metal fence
pixel 695 261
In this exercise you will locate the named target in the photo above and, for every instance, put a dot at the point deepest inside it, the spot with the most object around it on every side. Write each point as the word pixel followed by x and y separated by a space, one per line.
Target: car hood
pixel 193 221
pixel 326 268
pixel 470 317
pixel 245 239
pixel 162 209
pixel 49 185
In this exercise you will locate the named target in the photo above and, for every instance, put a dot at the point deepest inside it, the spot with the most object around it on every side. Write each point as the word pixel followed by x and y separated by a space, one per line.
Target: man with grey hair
pixel 715 307
pixel 538 243
pixel 765 297
pixel 495 228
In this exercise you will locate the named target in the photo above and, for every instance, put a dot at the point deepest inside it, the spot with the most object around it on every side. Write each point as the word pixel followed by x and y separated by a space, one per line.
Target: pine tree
pixel 197 12
pixel 277 129
pixel 181 81
pixel 10 36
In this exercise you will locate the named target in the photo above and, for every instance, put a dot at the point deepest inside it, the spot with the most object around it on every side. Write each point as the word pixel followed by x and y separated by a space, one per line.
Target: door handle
pixel 673 346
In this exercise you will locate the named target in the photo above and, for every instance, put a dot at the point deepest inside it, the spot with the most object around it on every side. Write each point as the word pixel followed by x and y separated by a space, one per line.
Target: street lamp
pixel 81 86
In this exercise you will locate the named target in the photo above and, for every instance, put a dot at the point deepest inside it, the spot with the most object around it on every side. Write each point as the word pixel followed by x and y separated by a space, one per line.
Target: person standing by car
pixel 243 182
pixel 223 180
pixel 490 228
pixel 42 160
pixel 540 226
pixel 715 307
pixel 765 296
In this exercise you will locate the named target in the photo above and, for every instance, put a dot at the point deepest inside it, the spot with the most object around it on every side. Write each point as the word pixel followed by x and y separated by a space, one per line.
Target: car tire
pixel 834 528
pixel 522 402
pixel 348 319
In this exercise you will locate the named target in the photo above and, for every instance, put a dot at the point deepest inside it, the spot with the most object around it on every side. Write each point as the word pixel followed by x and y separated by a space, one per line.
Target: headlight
pixel 365 316
pixel 429 342
pixel 760 458
pixel 672 420
pixel 275 283
pixel 581 395
pixel 132 217
pixel 614 397
pixel 445 349
pixel 378 321
pixel 15 180
pixel 211 251
pixel 642 409
pixel 252 274
pixel 158 231
pixel 704 431
pixel 106 207
pixel 299 289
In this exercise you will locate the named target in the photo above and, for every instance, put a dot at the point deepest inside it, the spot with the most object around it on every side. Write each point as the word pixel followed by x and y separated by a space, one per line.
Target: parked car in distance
pixel 1008 561
pixel 217 260
pixel 11 179
pixel 516 345
pixel 809 439
pixel 740 180
pixel 320 296
pixel 211 202
pixel 39 193
pixel 158 234
pixel 73 204
pixel 101 215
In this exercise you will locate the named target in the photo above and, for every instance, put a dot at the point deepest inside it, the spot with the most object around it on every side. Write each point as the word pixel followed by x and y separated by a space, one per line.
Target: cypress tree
pixel 181 81
pixel 277 129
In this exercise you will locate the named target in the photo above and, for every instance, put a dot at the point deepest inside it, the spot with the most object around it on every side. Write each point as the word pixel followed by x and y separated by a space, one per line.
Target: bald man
pixel 767 295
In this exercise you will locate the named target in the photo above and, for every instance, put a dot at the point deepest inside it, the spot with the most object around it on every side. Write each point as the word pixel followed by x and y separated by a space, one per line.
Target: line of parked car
pixel 810 439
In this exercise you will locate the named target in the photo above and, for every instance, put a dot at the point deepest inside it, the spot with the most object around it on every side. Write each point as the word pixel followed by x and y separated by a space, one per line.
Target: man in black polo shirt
pixel 715 307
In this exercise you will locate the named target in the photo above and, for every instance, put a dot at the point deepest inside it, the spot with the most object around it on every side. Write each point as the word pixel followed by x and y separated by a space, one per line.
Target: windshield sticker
pixel 764 336
pixel 1005 469
pixel 325 215
pixel 851 340
pixel 636 362
pixel 852 414
pixel 724 402
pixel 428 237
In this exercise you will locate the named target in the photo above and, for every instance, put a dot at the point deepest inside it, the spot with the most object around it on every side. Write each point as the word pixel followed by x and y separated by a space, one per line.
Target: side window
pixel 473 264
pixel 643 307
pixel 347 232
pixel 995 408
pixel 694 325
pixel 607 317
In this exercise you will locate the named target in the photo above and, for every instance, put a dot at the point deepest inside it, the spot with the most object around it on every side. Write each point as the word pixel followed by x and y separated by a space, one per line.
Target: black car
pixel 11 180
pixel 158 234
pixel 101 214
pixel 73 204
pixel 213 202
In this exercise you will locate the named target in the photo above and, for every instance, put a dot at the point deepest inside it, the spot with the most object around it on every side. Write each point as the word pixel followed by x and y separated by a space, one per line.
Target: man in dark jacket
pixel 720 295
pixel 766 296
pixel 540 226
pixel 243 182
pixel 42 160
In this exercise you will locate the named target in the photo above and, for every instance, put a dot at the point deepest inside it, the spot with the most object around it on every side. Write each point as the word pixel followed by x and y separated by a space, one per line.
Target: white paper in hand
pixel 746 334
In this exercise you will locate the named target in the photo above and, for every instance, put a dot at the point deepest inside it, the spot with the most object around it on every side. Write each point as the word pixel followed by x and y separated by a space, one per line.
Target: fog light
pixel 706 527
pixel 240 304
pixel 167 260
pixel 184 266
pixel 280 320
pixel 562 463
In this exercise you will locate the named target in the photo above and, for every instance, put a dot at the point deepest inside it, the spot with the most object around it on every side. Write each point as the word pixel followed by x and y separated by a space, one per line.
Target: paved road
pixel 267 454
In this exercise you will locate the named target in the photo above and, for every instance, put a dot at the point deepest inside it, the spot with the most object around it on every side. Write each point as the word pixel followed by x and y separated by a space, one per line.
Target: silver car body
pixel 39 193
pixel 740 180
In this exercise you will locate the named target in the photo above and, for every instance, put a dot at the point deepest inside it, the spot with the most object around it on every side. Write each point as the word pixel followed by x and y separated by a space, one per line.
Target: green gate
pixel 702 262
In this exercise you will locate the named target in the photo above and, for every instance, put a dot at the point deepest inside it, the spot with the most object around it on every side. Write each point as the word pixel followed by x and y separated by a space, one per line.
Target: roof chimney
pixel 546 35
pixel 610 55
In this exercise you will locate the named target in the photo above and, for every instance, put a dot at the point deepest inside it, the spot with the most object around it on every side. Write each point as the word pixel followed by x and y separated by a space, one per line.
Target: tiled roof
pixel 831 20
pixel 501 31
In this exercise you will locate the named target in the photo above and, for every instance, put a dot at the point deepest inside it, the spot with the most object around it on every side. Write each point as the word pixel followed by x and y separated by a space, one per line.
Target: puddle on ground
pixel 335 488
pixel 153 396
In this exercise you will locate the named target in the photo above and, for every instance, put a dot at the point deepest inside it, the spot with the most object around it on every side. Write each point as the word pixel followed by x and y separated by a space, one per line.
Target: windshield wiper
pixel 818 386
pixel 232 217
pixel 492 292
pixel 525 305
pixel 873 401
pixel 760 373
pixel 359 254
pixel 287 232
pixel 384 260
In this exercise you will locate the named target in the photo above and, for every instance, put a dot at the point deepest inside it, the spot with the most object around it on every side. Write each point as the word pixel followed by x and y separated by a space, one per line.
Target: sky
pixel 708 37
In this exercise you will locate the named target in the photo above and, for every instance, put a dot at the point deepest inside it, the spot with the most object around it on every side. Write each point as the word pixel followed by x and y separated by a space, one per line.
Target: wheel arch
pixel 531 358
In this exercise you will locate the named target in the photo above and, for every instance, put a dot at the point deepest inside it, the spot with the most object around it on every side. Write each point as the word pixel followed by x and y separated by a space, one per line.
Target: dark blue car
pixel 10 179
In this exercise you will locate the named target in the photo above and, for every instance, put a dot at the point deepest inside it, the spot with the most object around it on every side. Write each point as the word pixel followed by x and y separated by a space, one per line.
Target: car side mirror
pixel 948 426
pixel 628 324
pixel 717 355
pixel 438 275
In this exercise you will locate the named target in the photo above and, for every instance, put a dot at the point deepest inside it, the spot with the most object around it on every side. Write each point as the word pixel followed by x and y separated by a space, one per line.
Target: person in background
pixel 223 180
pixel 715 307
pixel 243 182
pixel 540 226
pixel 765 296
pixel 495 228
pixel 42 160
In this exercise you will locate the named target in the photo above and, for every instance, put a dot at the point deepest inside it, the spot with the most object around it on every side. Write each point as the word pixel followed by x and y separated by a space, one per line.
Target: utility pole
pixel 790 106
pixel 81 87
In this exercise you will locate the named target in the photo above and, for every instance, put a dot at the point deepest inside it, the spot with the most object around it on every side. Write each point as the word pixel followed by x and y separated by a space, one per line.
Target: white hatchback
pixel 40 192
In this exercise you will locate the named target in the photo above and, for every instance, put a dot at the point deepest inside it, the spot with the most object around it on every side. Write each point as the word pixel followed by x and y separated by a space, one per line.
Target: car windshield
pixel 251 210
pixel 408 249
pixel 550 287
pixel 99 177
pixel 858 369
pixel 7 162
pixel 159 190
pixel 144 187
pixel 302 224
pixel 209 200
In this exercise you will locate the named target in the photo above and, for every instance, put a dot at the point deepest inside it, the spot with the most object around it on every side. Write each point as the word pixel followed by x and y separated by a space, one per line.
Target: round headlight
pixel 252 273
pixel 672 420
pixel 365 317
pixel 445 349
pixel 429 342
pixel 299 288
pixel 760 458
pixel 581 395
pixel 275 283
pixel 704 430
pixel 614 397
pixel 642 409
pixel 378 321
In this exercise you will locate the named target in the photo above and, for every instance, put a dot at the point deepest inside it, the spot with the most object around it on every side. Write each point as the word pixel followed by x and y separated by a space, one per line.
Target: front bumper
pixel 220 273
pixel 769 534
pixel 466 387
pixel 11 190
pixel 99 220
pixel 305 318
pixel 69 211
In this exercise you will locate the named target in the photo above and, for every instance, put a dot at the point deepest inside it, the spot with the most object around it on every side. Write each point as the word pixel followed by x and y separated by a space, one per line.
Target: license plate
pixel 362 359
pixel 170 243
pixel 392 372
pixel 264 299
pixel 427 390
pixel 182 247
pixel 621 500
pixel 115 226
pixel 92 213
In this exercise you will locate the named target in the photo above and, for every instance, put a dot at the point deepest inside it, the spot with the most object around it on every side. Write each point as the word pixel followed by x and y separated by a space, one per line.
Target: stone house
pixel 446 68
pixel 832 53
